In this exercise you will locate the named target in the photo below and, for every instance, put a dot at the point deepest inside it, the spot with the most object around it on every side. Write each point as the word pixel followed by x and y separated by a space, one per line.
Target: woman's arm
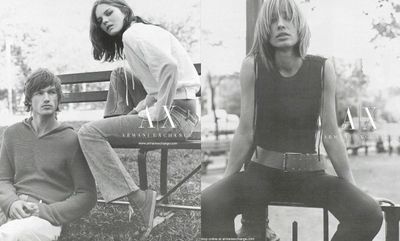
pixel 242 144
pixel 331 137
pixel 163 69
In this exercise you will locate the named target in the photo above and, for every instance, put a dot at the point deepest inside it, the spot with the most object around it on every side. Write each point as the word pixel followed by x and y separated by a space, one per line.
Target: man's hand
pixel 19 209
pixel 32 208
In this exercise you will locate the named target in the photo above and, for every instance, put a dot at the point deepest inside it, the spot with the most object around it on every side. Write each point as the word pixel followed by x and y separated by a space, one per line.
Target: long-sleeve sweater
pixel 162 65
pixel 51 168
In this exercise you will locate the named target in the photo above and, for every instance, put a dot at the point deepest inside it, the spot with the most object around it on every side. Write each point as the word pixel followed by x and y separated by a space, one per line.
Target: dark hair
pixel 106 47
pixel 38 80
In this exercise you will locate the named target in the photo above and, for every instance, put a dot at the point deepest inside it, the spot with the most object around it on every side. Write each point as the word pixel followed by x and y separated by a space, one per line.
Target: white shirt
pixel 162 65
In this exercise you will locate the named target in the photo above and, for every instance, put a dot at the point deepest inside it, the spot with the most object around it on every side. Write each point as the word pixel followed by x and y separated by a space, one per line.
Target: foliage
pixel 226 89
pixel 351 87
pixel 230 98
pixel 186 31
pixel 387 26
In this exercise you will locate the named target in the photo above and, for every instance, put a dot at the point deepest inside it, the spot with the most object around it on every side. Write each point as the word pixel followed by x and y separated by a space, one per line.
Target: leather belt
pixel 291 161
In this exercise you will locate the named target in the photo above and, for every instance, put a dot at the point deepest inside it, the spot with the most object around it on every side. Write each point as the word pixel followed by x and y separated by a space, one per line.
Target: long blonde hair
pixel 272 9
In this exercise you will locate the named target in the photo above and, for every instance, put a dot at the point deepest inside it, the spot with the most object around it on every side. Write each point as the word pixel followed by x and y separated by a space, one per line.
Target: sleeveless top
pixel 287 108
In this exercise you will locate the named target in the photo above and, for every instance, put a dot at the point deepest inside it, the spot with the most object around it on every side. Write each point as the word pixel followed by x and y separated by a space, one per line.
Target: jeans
pixel 360 217
pixel 96 138
pixel 117 102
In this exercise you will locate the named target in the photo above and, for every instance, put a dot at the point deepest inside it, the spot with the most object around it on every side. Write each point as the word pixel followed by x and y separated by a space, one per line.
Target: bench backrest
pixel 90 77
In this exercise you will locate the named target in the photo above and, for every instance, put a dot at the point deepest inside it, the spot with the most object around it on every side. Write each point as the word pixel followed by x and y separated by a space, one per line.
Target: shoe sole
pixel 152 209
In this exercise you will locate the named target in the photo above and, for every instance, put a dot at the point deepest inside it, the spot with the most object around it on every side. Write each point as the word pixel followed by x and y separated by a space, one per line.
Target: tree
pixel 213 83
pixel 351 87
pixel 387 26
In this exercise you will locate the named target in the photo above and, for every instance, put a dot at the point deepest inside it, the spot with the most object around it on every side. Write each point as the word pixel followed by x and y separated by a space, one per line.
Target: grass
pixel 110 222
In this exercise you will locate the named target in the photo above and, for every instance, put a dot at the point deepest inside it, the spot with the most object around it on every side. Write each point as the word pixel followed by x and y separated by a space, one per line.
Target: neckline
pixel 299 71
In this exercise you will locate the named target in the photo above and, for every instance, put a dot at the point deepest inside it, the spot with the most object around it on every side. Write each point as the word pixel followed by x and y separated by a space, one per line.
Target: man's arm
pixel 331 137
pixel 8 193
pixel 78 204
pixel 242 144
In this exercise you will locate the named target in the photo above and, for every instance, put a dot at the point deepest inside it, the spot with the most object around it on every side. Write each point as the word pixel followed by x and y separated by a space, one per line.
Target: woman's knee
pixel 215 201
pixel 85 129
pixel 88 129
pixel 373 217
pixel 209 201
pixel 367 218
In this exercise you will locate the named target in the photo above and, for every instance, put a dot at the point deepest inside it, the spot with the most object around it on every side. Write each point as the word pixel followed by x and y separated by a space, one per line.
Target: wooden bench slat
pixel 88 77
pixel 90 96
pixel 100 76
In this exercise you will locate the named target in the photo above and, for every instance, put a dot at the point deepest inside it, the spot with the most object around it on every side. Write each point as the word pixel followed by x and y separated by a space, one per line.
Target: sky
pixel 339 28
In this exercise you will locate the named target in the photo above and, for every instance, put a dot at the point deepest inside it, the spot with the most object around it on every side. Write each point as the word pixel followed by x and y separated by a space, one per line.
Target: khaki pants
pixel 28 229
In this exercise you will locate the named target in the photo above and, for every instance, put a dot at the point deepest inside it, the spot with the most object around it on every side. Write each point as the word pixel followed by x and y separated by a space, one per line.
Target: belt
pixel 292 162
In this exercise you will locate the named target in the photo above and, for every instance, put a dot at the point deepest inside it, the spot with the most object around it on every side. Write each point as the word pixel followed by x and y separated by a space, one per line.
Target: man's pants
pixel 29 229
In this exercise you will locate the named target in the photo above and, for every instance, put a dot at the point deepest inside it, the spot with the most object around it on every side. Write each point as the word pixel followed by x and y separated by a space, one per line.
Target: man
pixel 45 181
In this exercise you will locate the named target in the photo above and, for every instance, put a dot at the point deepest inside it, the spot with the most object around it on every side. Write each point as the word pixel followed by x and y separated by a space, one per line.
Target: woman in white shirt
pixel 153 101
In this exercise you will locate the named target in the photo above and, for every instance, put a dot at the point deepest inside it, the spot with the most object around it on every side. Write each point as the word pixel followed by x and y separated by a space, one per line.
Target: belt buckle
pixel 286 158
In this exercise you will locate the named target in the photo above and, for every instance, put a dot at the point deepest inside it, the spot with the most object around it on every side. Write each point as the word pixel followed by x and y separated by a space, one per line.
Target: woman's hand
pixel 133 112
pixel 150 100
pixel 382 200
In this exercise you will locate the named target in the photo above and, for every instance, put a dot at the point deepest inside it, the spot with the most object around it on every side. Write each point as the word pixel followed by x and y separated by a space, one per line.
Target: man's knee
pixel 16 230
pixel 28 229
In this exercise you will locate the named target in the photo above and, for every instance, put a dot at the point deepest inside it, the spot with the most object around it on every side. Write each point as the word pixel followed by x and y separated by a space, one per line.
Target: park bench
pixel 194 141
pixel 354 149
pixel 391 218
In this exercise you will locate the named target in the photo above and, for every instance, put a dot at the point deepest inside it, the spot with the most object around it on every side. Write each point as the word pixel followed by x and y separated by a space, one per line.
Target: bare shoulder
pixel 247 75
pixel 248 65
pixel 330 74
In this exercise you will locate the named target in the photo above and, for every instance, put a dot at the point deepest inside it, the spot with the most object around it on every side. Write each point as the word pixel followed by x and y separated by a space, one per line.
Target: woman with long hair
pixel 286 94
pixel 154 100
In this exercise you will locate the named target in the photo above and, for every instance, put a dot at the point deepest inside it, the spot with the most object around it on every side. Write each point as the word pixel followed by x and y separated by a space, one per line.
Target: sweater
pixel 50 168
pixel 162 65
